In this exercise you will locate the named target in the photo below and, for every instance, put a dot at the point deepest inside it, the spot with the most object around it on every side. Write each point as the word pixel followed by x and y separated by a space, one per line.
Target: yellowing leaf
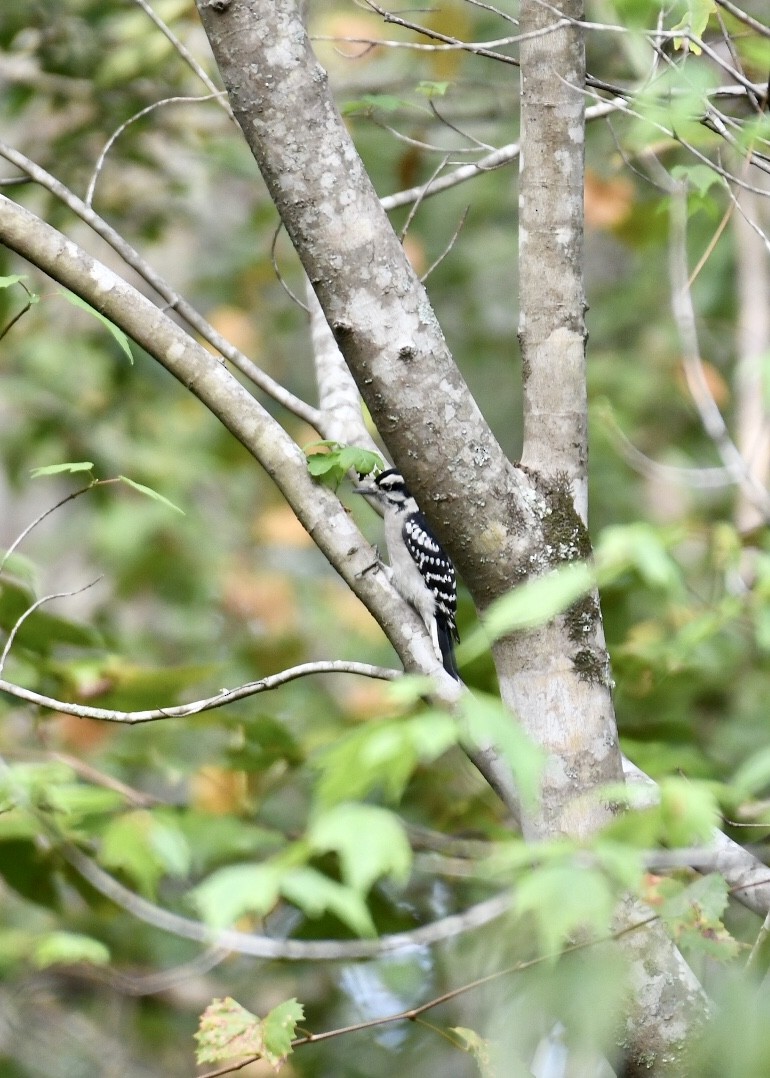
pixel 228 1031
pixel 694 22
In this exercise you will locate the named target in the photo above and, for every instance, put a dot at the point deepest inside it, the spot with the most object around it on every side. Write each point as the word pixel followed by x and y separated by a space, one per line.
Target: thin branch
pixel 422 196
pixel 31 610
pixel 132 119
pixel 137 798
pixel 183 711
pixel 684 317
pixel 742 16
pixel 699 478
pixel 70 497
pixel 420 144
pixel 279 275
pixel 448 247
pixel 19 314
pixel 458 130
pixel 172 298
pixel 504 156
pixel 150 984
pixel 495 11
pixel 289 949
pixel 185 54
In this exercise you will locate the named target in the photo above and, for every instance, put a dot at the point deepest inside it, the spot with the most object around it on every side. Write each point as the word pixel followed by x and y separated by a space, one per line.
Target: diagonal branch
pixel 317 508
pixel 172 299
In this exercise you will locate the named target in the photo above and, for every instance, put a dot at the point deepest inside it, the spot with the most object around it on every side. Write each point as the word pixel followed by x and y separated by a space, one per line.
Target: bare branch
pixel 183 711
pixel 46 513
pixel 699 478
pixel 684 316
pixel 184 52
pixel 423 194
pixel 31 610
pixel 132 119
pixel 437 262
pixel 748 20
pixel 150 984
pixel 497 159
pixel 279 275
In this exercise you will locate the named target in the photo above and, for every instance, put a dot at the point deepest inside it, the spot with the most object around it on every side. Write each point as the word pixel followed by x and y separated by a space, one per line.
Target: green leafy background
pixel 332 808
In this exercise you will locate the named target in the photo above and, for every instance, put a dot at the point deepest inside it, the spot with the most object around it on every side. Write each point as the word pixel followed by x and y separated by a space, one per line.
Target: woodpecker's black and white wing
pixel 420 570
pixel 438 573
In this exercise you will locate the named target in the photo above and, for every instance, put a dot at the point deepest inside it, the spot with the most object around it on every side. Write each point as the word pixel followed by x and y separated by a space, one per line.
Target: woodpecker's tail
pixel 447 634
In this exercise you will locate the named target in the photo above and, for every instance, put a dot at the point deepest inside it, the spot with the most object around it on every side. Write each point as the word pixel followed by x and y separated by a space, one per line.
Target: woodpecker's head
pixel 389 488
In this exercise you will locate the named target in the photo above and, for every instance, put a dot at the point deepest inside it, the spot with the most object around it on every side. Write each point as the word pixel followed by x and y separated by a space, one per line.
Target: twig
pixel 31 610
pixel 70 497
pixel 742 16
pixel 279 275
pixel 448 247
pixel 182 711
pixel 684 316
pixel 137 116
pixel 185 54
pixel 19 314
pixel 150 984
pixel 458 131
pixel 423 194
pixel 700 478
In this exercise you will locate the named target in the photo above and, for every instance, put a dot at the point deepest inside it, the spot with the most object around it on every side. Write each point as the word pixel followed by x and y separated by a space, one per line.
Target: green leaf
pixel 641 547
pixel 57 948
pixel 383 756
pixel 488 722
pixel 236 890
pixel 316 894
pixel 753 776
pixel 432 89
pixel 370 842
pixel 694 22
pixel 76 799
pixel 280 1029
pixel 58 469
pixel 689 812
pixel 565 901
pixel 15 278
pixel 118 334
pixel 700 177
pixel 150 493
pixel 335 460
pixel 146 847
pixel 227 1031
pixel 693 914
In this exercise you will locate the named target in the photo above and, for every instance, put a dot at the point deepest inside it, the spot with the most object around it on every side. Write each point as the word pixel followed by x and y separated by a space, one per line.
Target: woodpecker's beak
pixel 367 487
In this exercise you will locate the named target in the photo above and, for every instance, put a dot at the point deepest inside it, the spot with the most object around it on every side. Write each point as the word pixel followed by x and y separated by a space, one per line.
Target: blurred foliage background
pixel 234 589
